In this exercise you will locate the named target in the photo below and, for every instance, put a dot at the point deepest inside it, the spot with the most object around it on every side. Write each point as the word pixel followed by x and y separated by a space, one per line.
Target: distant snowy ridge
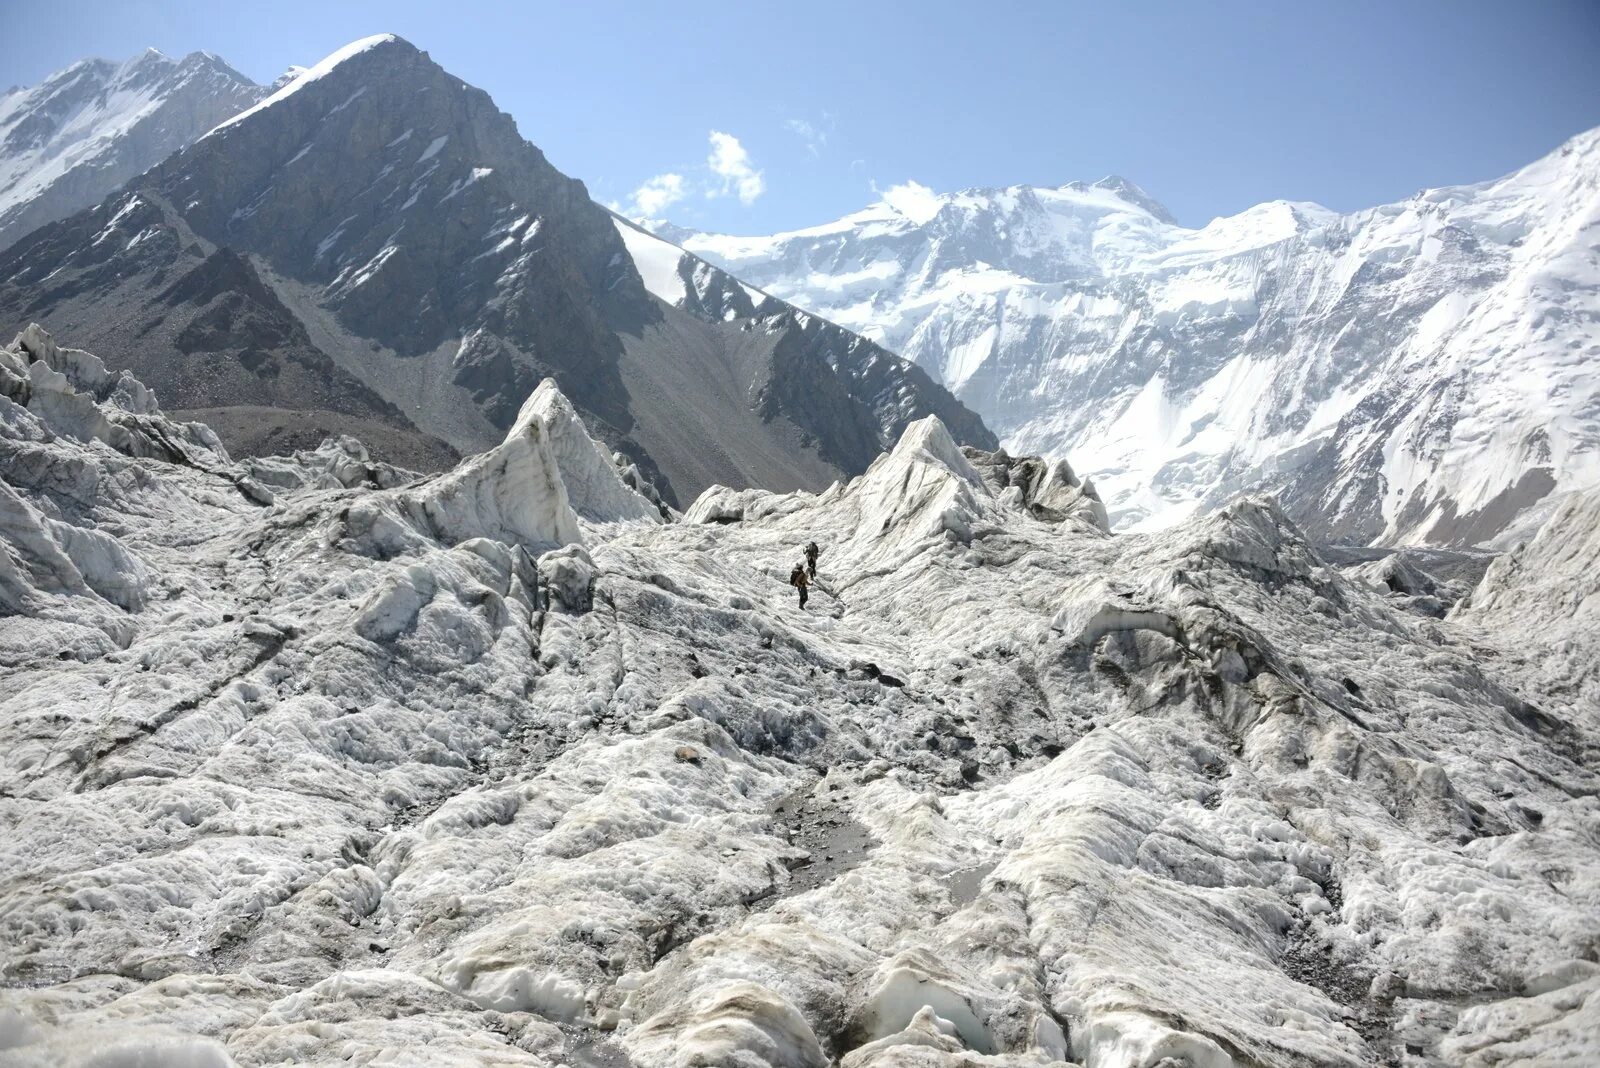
pixel 86 130
pixel 1426 371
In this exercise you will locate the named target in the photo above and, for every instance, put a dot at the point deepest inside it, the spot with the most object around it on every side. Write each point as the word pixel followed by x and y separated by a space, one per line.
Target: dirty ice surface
pixel 306 760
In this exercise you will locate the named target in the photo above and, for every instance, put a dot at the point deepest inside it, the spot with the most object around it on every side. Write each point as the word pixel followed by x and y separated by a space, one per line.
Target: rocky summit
pixel 309 759
pixel 376 240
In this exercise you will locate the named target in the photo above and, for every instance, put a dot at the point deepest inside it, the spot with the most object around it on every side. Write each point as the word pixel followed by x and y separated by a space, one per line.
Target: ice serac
pixel 65 579
pixel 72 393
pixel 924 487
pixel 1541 601
pixel 530 490
pixel 81 133
pixel 354 765
pixel 1421 372
pixel 1050 489
pixel 375 239
pixel 513 493
pixel 594 483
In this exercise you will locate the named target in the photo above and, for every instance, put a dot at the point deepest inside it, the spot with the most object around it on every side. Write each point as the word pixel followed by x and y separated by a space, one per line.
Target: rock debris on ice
pixel 308 760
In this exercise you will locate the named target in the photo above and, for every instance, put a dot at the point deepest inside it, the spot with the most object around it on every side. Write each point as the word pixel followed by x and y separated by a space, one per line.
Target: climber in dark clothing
pixel 812 552
pixel 797 579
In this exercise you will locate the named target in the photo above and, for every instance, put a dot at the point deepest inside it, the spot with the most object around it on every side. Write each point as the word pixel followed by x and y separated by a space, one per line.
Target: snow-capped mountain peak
pixel 1422 371
pixel 1126 190
pixel 297 78
pixel 85 130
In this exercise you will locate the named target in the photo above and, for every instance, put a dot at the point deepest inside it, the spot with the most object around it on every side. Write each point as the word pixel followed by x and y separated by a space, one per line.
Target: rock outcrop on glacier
pixel 376 239
pixel 1418 372
pixel 291 770
pixel 70 141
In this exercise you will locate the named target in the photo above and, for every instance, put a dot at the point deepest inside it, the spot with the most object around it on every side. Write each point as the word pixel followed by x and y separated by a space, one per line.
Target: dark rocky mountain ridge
pixel 378 239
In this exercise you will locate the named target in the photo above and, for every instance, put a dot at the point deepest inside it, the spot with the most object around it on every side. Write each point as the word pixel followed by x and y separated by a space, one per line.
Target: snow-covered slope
pixel 305 762
pixel 74 138
pixel 1419 372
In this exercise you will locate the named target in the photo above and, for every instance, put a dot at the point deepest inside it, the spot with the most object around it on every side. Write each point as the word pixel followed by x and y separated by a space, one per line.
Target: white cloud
pixel 728 171
pixel 814 134
pixel 731 164
pixel 912 199
pixel 656 194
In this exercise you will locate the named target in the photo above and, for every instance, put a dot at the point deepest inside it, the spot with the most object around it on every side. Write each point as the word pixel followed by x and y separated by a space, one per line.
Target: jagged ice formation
pixel 308 760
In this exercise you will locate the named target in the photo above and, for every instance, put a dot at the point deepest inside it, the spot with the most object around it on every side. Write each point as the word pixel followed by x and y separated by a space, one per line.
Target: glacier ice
pixel 588 472
pixel 310 760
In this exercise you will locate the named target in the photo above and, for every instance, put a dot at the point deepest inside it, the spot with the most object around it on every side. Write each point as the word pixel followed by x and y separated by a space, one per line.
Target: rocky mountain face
pixel 69 142
pixel 384 214
pixel 307 760
pixel 1427 371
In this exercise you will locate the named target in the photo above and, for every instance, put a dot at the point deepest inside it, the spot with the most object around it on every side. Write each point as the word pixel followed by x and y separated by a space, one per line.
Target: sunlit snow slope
pixel 306 760
pixel 85 130
pixel 1425 371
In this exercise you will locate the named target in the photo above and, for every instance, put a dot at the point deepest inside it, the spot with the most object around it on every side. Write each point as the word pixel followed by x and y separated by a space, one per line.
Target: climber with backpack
pixel 812 552
pixel 797 579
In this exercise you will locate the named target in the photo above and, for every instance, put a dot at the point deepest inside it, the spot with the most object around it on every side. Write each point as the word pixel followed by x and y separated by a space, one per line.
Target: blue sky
pixel 1211 107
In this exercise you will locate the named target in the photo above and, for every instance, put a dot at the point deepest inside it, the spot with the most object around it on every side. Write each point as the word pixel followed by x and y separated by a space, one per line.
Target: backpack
pixel 797 576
